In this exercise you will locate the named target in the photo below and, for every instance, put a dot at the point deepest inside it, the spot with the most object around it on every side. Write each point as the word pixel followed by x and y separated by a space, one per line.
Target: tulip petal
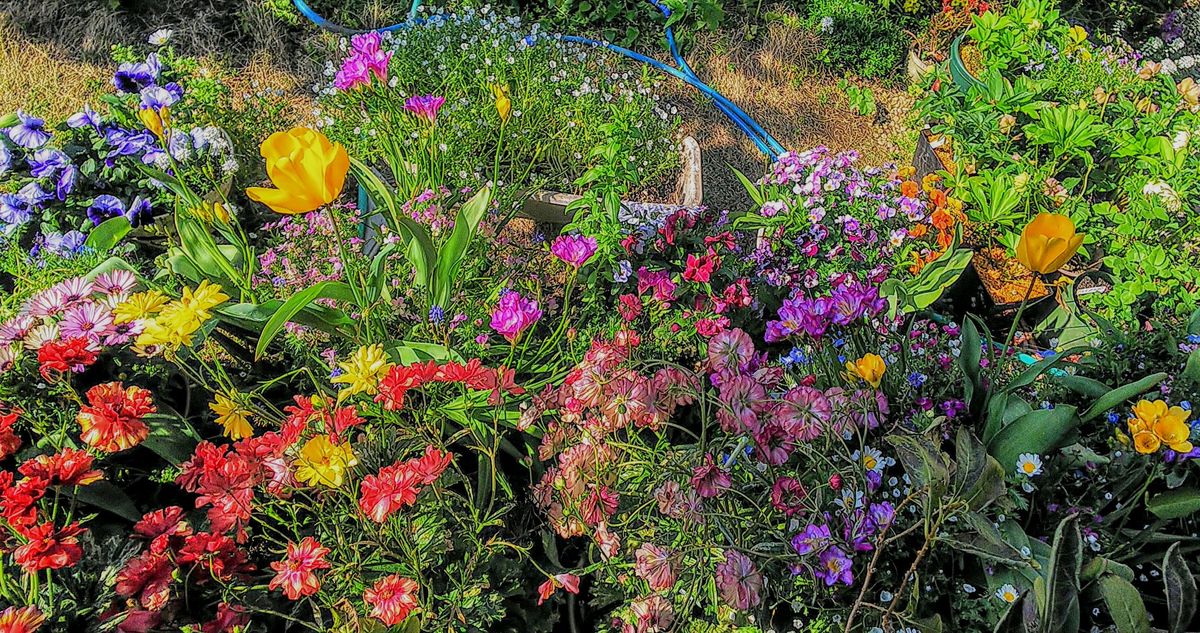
pixel 278 200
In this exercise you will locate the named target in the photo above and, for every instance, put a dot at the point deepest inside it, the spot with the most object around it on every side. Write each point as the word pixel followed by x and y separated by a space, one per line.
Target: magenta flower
pixel 709 479
pixel 425 107
pixel 575 250
pixel 739 581
pixel 514 314
pixel 788 495
pixel 366 59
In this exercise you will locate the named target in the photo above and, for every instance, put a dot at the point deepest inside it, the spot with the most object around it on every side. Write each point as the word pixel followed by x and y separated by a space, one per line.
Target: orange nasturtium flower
pixel 307 168
pixel 1154 425
pixel 909 189
pixel 869 369
pixel 1048 242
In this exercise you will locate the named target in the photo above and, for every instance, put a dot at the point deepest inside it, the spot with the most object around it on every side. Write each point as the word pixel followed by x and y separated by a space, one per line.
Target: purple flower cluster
pixel 849 303
pixel 366 59
pixel 833 564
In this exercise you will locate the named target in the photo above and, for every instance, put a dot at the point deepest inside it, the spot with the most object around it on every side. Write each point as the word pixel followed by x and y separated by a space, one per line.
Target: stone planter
pixel 551 206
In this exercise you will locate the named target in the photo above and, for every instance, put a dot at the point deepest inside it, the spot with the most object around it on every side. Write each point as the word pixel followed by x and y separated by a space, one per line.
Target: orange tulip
pixel 306 167
pixel 1048 242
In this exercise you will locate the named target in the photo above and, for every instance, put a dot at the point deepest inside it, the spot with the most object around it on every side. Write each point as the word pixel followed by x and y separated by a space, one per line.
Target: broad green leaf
pixel 171 437
pixel 1121 394
pixel 923 462
pixel 1040 432
pixel 297 302
pixel 1174 504
pixel 1060 612
pixel 1125 605
pixel 1180 589
pixel 1082 385
pixel 450 255
pixel 107 496
pixel 752 189
pixel 108 234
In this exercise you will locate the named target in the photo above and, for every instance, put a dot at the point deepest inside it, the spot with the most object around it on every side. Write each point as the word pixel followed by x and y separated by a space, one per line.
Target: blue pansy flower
pixel 66 182
pixel 85 118
pixel 5 159
pixel 104 207
pixel 139 213
pixel 45 163
pixel 33 194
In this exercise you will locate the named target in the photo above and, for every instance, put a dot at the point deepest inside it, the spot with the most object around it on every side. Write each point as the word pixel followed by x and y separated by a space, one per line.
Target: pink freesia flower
pixel 514 314
pixel 739 581
pixel 575 250
pixel 709 479
pixel 569 582
pixel 656 565
pixel 425 107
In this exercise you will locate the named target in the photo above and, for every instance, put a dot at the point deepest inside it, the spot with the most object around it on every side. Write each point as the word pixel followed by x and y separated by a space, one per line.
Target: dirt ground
pixel 776 79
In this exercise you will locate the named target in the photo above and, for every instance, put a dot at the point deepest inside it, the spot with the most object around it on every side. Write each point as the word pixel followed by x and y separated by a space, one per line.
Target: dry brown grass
pixel 776 79
pixel 43 78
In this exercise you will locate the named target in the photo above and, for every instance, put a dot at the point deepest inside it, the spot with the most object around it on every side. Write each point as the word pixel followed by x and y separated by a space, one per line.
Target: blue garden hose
pixel 755 132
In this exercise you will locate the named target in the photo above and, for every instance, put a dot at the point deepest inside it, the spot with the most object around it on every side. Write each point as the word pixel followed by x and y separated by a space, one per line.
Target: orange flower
pixel 941 219
pixel 944 239
pixel 917 264
pixel 918 231
pixel 938 198
pixel 21 620
pixel 909 189
pixel 112 419
pixel 1047 242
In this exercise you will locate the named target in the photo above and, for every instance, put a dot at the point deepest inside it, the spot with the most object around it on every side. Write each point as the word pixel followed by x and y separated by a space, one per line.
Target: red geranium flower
pixel 430 465
pixel 343 419
pixel 49 548
pixel 392 599
pixel 59 357
pixel 69 467
pixel 9 442
pixel 112 420
pixel 147 578
pixel 294 574
pixel 165 529
pixel 454 372
pixel 21 620
pixel 395 486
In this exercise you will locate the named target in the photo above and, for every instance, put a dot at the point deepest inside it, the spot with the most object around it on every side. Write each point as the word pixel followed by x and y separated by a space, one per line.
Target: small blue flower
pixel 436 315
pixel 1114 417
pixel 1186 405
pixel 623 271
pixel 841 358
pixel 917 379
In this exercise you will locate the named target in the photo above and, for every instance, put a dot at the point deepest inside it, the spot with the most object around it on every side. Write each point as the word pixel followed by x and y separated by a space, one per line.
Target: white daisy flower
pixel 1029 464
pixel 1008 593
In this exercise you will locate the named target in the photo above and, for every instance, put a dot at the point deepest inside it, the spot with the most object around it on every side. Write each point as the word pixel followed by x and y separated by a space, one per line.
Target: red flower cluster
pixel 112 419
pixel 224 479
pixel 335 421
pixel 295 573
pixel 403 378
pixel 44 545
pixel 69 355
pixel 399 484
pixel 9 441
pixel 146 579
pixel 392 599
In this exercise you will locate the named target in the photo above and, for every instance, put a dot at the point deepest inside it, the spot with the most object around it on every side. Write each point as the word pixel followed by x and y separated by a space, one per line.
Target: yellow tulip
pixel 1048 242
pixel 155 120
pixel 307 168
pixel 503 102
pixel 869 368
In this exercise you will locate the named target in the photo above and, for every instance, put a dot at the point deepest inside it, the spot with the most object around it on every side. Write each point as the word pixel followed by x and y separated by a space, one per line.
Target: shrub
pixel 859 37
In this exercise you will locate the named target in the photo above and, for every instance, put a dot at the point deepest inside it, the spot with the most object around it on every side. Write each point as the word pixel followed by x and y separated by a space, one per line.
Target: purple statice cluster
pixel 302 251
pixel 72 309
pixel 849 302
pixel 366 59
pixel 827 217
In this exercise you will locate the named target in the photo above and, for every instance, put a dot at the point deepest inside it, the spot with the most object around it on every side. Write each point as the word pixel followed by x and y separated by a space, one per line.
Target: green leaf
pixel 450 256
pixel 923 462
pixel 970 354
pixel 931 283
pixel 1125 604
pixel 755 192
pixel 1121 394
pixel 1061 609
pixel 110 232
pixel 171 437
pixel 1082 385
pixel 1180 589
pixel 1174 504
pixel 200 248
pixel 296 303
pixel 107 496
pixel 1040 432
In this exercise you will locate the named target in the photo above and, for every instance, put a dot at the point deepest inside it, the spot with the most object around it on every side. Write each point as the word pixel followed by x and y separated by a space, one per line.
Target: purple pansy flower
pixel 30 132
pixel 45 163
pixel 139 212
pixel 66 182
pixel 85 118
pixel 104 207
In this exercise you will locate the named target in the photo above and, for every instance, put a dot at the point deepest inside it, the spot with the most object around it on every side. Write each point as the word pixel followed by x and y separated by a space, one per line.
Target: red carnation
pixel 49 548
pixel 392 599
pixel 69 467
pixel 147 578
pixel 395 486
pixel 294 574
pixel 9 441
pixel 71 355
pixel 112 419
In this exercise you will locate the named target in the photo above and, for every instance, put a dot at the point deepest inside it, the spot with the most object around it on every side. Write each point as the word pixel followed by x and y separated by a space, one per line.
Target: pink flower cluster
pixel 514 314
pixel 366 59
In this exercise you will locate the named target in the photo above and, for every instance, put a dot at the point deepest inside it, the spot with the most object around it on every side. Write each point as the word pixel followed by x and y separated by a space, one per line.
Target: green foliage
pixel 858 37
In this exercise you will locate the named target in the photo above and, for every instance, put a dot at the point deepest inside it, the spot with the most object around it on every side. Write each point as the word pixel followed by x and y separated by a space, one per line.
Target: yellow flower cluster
pixel 169 325
pixel 362 373
pixel 1154 425
pixel 323 462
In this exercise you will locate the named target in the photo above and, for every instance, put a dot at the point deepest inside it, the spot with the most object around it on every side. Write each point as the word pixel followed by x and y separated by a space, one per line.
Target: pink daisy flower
pixel 74 291
pixel 116 282
pixel 86 320
pixel 46 303
pixel 15 329
pixel 40 335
